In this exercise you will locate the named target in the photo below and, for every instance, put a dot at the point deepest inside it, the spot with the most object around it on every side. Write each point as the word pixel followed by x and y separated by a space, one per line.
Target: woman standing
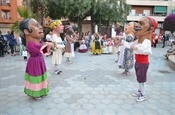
pixel 69 40
pixel 128 57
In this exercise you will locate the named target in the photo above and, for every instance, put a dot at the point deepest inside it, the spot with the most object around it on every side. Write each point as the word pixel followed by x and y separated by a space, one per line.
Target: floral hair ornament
pixel 55 23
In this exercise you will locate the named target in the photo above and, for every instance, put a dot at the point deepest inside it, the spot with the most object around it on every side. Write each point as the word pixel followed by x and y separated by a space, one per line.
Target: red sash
pixel 141 58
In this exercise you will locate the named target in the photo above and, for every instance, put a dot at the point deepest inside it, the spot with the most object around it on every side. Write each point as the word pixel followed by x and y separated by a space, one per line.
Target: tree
pixel 55 9
pixel 102 12
pixel 75 10
pixel 169 23
pixel 39 8
pixel 110 11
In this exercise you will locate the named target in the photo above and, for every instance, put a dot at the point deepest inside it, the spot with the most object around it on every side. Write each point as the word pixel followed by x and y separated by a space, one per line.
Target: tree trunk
pixel 99 28
pixel 40 13
pixel 80 27
pixel 107 28
pixel 92 25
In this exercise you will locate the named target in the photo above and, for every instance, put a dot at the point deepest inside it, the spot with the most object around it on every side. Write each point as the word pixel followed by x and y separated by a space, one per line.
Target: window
pixel 8 15
pixel 146 12
pixel 2 2
pixel 3 15
pixel 7 1
pixel 133 13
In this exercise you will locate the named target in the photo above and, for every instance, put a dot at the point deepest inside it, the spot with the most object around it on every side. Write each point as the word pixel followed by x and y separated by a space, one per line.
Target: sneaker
pixel 141 98
pixel 125 73
pixel 136 95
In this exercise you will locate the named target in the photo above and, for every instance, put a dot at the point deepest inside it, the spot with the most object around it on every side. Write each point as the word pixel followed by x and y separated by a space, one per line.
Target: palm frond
pixel 24 12
pixel 15 27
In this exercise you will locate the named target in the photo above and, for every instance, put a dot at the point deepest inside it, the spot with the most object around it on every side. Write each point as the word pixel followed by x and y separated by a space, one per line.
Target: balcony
pixel 4 20
pixel 148 2
pixel 159 18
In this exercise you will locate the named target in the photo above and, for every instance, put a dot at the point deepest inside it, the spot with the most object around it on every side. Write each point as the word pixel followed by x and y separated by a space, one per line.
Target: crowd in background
pixel 97 43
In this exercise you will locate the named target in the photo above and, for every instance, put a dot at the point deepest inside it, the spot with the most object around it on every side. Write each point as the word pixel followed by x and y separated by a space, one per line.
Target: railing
pixel 5 4
pixel 161 15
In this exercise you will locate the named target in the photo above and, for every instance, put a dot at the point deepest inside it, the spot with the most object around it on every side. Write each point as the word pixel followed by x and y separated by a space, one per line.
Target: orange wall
pixel 13 9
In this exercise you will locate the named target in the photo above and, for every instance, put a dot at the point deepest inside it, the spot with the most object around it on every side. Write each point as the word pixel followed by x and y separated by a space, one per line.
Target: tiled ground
pixel 90 85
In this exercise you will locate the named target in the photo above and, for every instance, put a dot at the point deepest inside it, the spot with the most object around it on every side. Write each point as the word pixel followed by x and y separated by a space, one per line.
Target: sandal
pixel 125 73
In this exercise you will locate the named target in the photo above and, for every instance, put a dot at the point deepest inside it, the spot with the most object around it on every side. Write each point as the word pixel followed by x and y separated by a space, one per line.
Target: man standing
pixel 3 43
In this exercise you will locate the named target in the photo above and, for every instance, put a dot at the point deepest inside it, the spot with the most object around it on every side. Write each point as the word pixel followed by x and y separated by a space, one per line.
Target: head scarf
pixel 153 23
pixel 55 23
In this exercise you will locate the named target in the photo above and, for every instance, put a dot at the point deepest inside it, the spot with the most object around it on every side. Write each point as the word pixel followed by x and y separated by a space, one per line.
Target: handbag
pixel 24 53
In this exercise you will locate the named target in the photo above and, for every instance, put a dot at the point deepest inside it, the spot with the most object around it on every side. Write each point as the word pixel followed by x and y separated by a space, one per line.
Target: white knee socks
pixel 56 67
pixel 142 88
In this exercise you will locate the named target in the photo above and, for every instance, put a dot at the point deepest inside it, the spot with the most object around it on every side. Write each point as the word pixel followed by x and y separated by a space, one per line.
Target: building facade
pixel 8 13
pixel 157 9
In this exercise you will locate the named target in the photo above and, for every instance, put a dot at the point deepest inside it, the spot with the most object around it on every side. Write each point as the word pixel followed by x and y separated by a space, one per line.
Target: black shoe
pixel 57 72
pixel 60 71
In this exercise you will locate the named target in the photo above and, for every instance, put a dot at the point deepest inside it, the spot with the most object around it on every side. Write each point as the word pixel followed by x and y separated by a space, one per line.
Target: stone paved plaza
pixel 90 85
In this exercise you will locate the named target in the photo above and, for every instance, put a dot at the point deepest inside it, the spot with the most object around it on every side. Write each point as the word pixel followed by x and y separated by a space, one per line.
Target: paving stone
pixel 70 101
pixel 88 96
pixel 77 96
pixel 81 112
pixel 75 106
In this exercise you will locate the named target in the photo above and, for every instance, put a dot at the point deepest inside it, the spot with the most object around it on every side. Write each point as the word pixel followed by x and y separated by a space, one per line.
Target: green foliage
pixel 15 27
pixel 112 11
pixel 72 9
pixel 101 11
pixel 39 5
pixel 24 12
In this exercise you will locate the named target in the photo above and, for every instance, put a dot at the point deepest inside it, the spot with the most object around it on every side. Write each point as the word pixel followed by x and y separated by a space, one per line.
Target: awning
pixel 173 11
pixel 160 9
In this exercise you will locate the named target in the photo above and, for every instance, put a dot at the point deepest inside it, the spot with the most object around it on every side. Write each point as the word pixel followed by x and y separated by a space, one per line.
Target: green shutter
pixel 160 9
pixel 173 11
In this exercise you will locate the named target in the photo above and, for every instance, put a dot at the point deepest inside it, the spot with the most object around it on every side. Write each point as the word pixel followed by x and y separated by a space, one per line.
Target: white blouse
pixel 58 41
pixel 141 48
